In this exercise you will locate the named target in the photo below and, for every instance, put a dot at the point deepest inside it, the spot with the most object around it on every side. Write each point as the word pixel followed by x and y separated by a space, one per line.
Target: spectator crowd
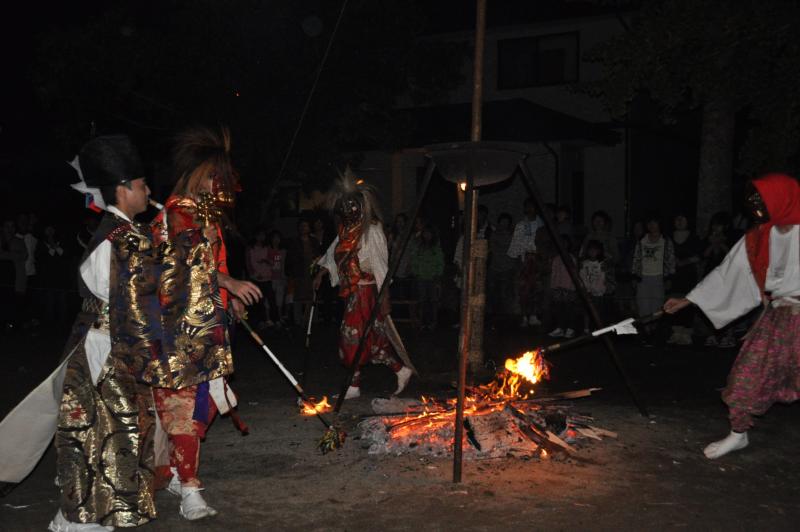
pixel 526 279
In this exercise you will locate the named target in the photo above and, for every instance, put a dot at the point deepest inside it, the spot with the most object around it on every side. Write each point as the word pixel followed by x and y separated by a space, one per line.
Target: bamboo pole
pixel 470 210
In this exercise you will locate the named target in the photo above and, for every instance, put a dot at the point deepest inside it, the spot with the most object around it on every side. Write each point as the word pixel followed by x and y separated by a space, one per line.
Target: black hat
pixel 110 160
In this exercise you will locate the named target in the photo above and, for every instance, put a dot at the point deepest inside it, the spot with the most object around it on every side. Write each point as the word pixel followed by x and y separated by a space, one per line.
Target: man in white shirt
pixel 762 268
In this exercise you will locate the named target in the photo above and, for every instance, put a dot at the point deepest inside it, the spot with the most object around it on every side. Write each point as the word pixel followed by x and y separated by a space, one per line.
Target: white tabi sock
pixel 403 376
pixel 174 486
pixel 60 524
pixel 353 392
pixel 732 442
pixel 193 506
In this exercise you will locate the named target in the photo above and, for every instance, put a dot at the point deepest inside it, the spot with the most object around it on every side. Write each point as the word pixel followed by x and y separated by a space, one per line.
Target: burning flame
pixel 530 366
pixel 320 407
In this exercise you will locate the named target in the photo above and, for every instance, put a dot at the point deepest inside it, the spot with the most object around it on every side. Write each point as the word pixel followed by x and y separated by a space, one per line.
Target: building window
pixel 536 61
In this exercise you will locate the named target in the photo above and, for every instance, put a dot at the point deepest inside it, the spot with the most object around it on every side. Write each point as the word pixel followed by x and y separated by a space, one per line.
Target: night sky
pixel 251 67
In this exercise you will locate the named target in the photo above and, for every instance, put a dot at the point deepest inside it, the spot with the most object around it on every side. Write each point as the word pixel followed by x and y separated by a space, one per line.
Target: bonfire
pixel 504 417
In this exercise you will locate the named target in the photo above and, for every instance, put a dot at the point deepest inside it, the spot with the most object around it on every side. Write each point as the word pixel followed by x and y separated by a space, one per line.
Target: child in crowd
pixel 563 295
pixel 601 231
pixel 427 267
pixel 276 262
pixel 597 275
pixel 266 261
pixel 653 264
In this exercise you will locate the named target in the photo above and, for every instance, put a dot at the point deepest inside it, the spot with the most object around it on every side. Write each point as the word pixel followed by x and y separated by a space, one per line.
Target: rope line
pixel 307 104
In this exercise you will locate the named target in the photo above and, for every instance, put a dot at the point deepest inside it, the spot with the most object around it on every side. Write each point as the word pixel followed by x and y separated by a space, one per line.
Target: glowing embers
pixel 317 408
pixel 501 418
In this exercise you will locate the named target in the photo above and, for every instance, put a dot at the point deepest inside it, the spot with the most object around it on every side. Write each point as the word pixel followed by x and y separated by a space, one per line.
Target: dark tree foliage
pixel 721 57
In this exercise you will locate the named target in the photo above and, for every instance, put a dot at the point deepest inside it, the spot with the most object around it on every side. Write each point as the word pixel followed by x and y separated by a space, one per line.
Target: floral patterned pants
pixel 767 369
pixel 176 410
pixel 377 347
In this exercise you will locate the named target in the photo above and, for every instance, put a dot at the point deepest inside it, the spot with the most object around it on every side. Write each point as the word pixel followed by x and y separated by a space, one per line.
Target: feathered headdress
pixel 350 188
pixel 94 198
pixel 200 153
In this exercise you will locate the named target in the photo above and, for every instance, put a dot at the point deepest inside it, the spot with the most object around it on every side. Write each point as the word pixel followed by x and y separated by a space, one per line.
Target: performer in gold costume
pixel 195 292
pixel 105 423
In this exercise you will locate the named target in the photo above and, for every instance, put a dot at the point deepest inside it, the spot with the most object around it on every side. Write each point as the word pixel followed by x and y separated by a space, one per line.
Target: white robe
pixel 27 430
pixel 373 256
pixel 730 290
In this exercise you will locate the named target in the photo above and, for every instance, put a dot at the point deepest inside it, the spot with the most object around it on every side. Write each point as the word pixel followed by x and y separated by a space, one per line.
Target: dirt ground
pixel 653 477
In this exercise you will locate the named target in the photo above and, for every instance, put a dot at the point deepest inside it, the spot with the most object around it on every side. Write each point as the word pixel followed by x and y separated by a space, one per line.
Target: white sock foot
pixel 174 485
pixel 732 442
pixel 353 392
pixel 193 506
pixel 403 376
pixel 60 524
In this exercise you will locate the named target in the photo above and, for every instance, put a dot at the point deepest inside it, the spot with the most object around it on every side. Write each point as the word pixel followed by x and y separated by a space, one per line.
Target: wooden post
pixel 470 210
pixel 477 304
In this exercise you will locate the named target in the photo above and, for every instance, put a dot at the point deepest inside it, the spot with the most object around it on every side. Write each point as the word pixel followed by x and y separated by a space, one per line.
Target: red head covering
pixel 781 195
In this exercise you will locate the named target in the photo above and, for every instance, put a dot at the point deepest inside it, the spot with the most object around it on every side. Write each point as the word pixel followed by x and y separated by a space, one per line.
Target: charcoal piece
pixel 556 422
pixel 471 435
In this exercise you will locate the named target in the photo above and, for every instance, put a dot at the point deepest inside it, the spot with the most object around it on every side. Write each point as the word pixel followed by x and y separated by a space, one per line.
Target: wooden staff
pixel 333 438
pixel 623 327
pixel 307 353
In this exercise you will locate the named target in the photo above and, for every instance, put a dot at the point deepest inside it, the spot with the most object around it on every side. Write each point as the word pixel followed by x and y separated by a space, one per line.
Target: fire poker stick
pixel 623 327
pixel 333 438
pixel 307 353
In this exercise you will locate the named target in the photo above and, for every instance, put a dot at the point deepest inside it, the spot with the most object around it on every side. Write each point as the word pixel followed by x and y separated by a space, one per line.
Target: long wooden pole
pixel 470 211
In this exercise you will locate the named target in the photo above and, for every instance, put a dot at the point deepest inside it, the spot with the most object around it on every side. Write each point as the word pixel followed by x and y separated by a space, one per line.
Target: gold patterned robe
pixel 104 439
pixel 196 345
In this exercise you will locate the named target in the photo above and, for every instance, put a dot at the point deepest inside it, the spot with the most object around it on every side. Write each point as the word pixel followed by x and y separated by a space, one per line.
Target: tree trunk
pixel 715 177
